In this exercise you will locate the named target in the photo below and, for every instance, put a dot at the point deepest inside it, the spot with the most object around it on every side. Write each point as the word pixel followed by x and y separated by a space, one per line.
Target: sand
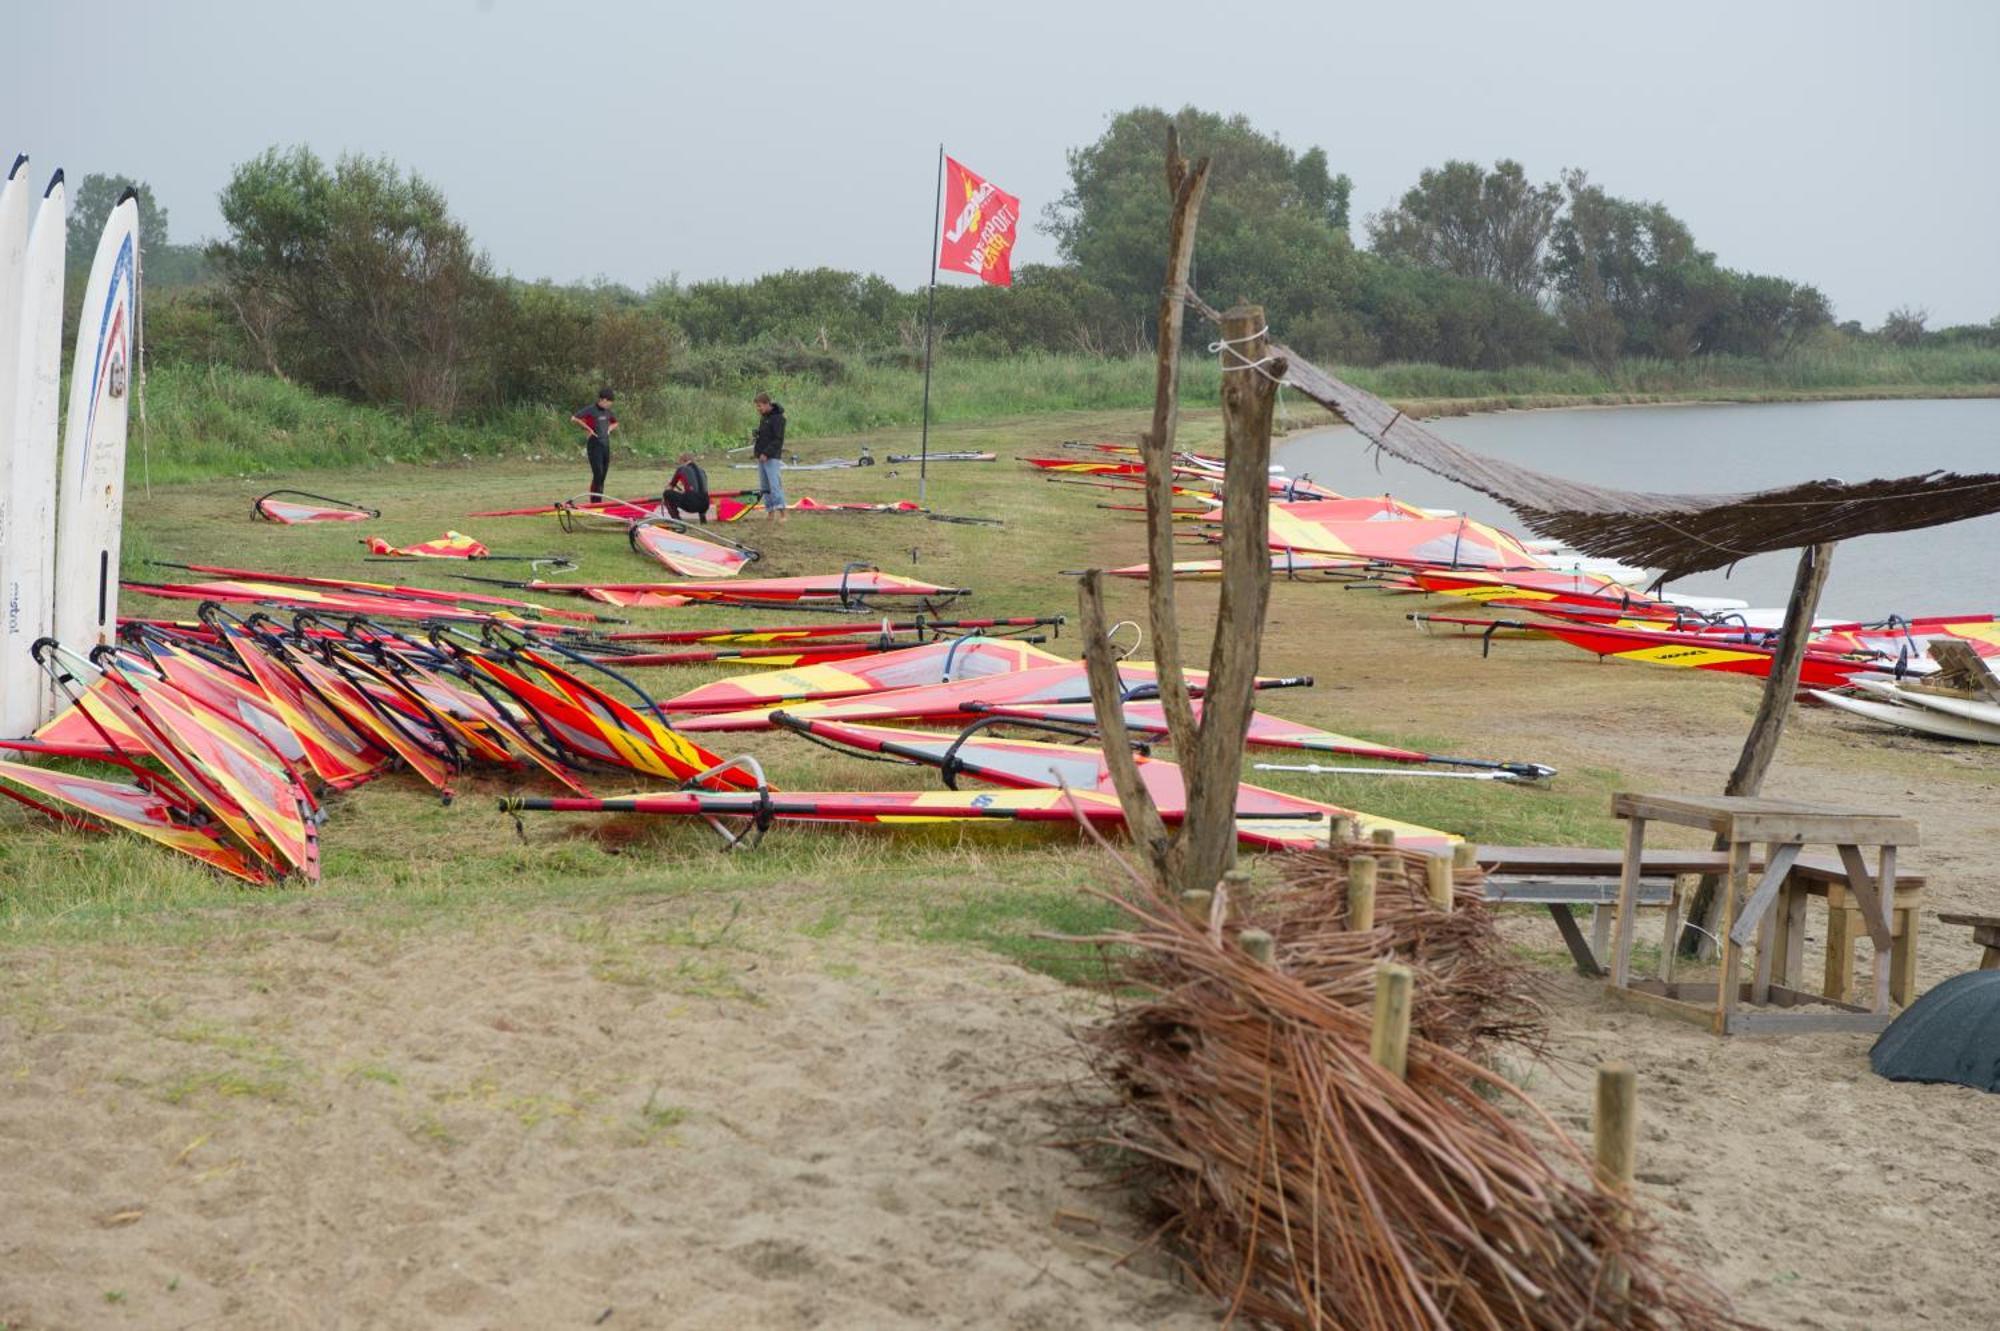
pixel 328 1129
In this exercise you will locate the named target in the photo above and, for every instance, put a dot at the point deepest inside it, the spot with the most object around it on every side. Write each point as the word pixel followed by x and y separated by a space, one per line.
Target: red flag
pixel 979 224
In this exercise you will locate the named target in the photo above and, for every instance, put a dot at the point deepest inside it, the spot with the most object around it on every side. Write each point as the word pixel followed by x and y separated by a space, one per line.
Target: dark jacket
pixel 691 481
pixel 769 441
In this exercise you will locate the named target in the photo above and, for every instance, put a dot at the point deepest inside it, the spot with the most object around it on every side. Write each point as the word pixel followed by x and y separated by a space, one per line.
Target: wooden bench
pixel 1562 878
pixel 1985 932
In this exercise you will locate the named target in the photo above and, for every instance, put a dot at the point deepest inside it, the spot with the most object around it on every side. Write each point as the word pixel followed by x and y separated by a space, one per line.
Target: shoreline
pixel 1438 408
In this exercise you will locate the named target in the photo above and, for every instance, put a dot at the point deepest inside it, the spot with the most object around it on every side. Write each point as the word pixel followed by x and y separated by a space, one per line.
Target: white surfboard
pixel 1920 719
pixel 91 507
pixel 17 210
pixel 28 486
pixel 1970 709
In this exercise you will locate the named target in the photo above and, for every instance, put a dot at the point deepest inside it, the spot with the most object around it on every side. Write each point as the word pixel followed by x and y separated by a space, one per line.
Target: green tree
pixel 165 264
pixel 1626 275
pixel 355 278
pixel 1905 325
pixel 1273 226
pixel 1492 225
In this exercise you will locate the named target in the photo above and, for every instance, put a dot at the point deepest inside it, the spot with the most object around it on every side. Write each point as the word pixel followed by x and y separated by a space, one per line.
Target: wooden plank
pixel 1779 866
pixel 1884 971
pixel 1579 950
pixel 1976 921
pixel 1873 829
pixel 1584 861
pixel 1670 936
pixel 1767 933
pixel 1628 903
pixel 1766 1021
pixel 1903 954
pixel 1793 949
pixel 1862 883
pixel 1841 925
pixel 1735 888
pixel 1660 1005
pixel 1822 869
pixel 1581 892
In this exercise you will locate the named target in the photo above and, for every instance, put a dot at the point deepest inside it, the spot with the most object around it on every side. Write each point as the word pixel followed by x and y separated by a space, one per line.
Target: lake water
pixel 1697 449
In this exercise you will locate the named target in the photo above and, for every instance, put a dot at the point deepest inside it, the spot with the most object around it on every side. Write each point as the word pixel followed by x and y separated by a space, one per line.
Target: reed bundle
pixel 1304 1184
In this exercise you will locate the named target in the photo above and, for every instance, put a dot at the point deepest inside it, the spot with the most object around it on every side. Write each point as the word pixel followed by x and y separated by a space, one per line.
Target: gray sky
pixel 1849 144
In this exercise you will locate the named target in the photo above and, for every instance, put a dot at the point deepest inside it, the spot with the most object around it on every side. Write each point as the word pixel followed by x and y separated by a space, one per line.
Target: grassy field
pixel 397 858
pixel 210 421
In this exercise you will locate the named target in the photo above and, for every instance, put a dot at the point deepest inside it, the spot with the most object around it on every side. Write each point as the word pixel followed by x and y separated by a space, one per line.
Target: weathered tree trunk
pixel 1761 745
pixel 1185 186
pixel 1100 656
pixel 1213 767
pixel 1142 817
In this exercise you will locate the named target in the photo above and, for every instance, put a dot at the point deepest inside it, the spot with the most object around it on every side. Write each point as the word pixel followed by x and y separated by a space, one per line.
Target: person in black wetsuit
pixel 687 492
pixel 598 421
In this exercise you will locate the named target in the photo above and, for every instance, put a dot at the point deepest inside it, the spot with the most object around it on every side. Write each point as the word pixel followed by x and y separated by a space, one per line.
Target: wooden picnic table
pixel 1748 914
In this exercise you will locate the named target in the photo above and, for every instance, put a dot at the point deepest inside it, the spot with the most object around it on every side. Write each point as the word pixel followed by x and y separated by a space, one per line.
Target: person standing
pixel 767 445
pixel 687 492
pixel 598 421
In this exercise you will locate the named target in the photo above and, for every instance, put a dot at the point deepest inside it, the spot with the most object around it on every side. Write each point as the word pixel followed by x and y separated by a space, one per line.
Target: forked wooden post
pixel 1615 1141
pixel 1437 870
pixel 1361 893
pixel 1389 1040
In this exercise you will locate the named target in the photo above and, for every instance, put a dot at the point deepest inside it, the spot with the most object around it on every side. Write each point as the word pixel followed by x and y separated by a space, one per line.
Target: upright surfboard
pixel 91 508
pixel 28 472
pixel 16 212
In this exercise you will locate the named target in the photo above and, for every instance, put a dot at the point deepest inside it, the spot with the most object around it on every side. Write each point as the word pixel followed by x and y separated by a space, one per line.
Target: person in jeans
pixel 767 445
pixel 598 422
pixel 687 492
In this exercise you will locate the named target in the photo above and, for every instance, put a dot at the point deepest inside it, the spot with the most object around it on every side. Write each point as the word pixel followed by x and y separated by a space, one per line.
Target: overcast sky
pixel 1853 145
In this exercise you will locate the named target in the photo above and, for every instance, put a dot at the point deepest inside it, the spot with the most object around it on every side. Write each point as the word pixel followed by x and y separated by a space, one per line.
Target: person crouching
pixel 687 492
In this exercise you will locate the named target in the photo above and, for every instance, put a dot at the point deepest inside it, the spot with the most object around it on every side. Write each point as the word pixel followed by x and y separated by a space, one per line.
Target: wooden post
pixel 1389 1041
pixel 1213 767
pixel 1464 855
pixel 1382 836
pixel 1198 906
pixel 1100 658
pixel 1185 187
pixel 1361 893
pixel 1781 686
pixel 1615 1138
pixel 1261 947
pixel 1437 870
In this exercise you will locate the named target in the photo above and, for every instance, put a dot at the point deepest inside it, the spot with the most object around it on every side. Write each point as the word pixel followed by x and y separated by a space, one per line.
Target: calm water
pixel 1950 569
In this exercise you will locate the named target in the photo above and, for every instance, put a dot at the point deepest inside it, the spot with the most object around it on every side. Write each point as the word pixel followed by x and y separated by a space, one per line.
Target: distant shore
pixel 1429 407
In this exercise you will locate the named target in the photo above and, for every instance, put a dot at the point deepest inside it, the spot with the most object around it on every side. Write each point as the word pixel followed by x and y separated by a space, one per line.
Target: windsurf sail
pixel 938 702
pixel 1266 731
pixel 672 544
pixel 451 545
pixel 292 507
pixel 931 663
pixel 1267 819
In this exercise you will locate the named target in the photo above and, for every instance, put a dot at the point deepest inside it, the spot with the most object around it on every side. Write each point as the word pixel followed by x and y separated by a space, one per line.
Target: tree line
pixel 353 277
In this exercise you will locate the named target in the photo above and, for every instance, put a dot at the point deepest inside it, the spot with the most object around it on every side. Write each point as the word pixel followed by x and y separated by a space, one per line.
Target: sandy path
pixel 610 1126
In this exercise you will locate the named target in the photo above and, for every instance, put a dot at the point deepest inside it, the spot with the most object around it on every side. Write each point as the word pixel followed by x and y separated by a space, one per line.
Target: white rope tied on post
pixel 1227 346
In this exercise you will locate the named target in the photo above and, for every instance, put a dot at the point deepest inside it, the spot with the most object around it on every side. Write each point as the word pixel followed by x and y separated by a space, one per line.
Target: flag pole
pixel 930 309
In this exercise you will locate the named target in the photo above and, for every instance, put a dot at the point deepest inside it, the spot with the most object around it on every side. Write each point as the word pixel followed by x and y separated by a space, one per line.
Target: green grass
pixel 211 421
pixel 652 906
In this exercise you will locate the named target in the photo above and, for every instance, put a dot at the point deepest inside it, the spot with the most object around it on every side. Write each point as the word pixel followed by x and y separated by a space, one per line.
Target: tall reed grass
pixel 204 421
